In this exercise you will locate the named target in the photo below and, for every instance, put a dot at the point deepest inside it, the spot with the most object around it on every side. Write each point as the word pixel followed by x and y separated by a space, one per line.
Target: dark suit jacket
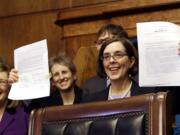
pixel 103 95
pixel 94 85
pixel 54 99
pixel 14 122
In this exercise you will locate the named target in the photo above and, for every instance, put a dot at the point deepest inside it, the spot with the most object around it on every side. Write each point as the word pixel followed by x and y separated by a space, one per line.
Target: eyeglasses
pixel 116 55
pixel 4 82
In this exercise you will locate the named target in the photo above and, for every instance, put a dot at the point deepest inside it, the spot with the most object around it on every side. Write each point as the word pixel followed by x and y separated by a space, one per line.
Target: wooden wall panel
pixel 83 28
pixel 79 42
pixel 86 63
pixel 84 54
pixel 80 25
pixel 73 44
pixel 23 22
pixel 17 7
pixel 21 30
pixel 128 10
pixel 83 51
pixel 76 3
pixel 106 8
pixel 129 21
pixel 26 21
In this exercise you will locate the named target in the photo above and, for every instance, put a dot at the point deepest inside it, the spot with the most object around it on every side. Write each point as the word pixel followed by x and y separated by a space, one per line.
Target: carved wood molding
pixel 119 6
pixel 128 12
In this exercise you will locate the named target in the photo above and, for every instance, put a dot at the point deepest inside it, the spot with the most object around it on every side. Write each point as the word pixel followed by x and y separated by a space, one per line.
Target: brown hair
pixel 3 66
pixel 63 59
pixel 113 29
pixel 130 50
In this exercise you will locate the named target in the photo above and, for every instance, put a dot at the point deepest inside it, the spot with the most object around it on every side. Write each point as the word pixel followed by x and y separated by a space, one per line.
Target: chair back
pixel 147 114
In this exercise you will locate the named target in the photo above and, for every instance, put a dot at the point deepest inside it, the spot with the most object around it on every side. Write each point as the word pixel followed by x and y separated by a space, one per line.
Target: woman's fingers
pixel 13 76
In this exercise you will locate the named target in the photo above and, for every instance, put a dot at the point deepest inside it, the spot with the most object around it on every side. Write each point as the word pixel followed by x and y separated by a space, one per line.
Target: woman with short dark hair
pixel 118 60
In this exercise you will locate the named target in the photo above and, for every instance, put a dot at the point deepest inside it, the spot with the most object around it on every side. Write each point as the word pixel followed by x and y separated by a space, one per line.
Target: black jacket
pixel 94 85
pixel 103 95
pixel 54 99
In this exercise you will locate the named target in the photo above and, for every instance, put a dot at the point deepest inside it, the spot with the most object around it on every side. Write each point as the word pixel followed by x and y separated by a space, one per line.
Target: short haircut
pixel 4 67
pixel 130 50
pixel 62 59
pixel 113 29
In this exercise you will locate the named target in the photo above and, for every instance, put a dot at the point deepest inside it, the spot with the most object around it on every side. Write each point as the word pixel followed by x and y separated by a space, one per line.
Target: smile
pixel 63 82
pixel 114 68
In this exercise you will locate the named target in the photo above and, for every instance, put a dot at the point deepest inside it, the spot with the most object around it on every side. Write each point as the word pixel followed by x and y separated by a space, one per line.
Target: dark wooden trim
pixel 120 8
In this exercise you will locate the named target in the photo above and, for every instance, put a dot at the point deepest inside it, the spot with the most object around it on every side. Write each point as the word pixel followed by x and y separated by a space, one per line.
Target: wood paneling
pixel 83 28
pixel 26 21
pixel 121 11
pixel 81 24
pixel 101 9
pixel 76 3
pixel 85 61
pixel 17 7
pixel 82 50
pixel 129 21
pixel 21 30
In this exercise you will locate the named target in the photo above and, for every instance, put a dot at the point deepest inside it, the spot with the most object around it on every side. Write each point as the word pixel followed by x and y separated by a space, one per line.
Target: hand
pixel 13 76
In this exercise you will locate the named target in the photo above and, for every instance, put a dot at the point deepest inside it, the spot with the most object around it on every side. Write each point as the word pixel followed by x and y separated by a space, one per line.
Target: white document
pixel 31 61
pixel 159 62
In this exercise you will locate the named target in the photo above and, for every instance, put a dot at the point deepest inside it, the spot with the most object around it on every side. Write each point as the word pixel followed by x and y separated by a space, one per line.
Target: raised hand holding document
pixel 31 61
pixel 159 62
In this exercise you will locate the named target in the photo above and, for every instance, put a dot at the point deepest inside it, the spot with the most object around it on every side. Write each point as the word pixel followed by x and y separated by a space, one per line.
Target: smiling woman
pixel 118 56
pixel 4 87
pixel 63 73
pixel 64 78
pixel 118 61
pixel 13 119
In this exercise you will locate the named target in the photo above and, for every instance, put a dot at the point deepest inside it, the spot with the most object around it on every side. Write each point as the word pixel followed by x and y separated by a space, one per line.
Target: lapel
pixel 6 121
pixel 134 89
pixel 105 93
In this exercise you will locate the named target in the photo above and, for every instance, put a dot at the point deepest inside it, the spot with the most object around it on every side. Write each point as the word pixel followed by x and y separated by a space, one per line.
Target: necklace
pixel 125 94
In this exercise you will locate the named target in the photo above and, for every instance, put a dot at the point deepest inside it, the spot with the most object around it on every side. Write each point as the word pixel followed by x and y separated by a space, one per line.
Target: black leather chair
pixel 139 115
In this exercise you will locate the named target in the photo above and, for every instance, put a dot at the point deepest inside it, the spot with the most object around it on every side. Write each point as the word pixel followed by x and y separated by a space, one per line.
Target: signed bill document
pixel 31 61
pixel 159 61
